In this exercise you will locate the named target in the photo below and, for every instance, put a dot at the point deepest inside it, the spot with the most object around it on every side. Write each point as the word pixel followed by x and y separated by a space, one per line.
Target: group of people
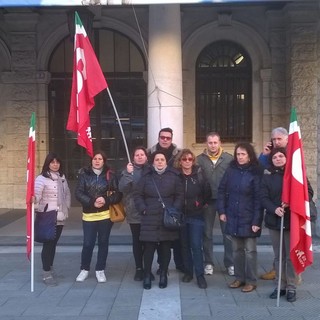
pixel 238 188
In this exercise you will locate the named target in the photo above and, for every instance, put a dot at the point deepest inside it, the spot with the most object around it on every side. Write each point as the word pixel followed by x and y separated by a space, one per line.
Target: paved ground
pixel 122 298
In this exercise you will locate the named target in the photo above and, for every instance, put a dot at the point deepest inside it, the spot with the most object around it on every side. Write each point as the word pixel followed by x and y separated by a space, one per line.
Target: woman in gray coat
pixel 153 232
pixel 128 186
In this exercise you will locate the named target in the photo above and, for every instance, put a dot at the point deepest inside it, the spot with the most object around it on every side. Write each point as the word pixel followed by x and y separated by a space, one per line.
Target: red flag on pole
pixel 87 81
pixel 295 193
pixel 30 180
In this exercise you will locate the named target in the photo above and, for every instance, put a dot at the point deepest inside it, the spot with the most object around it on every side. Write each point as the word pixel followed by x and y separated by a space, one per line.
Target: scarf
pixel 158 171
pixel 61 201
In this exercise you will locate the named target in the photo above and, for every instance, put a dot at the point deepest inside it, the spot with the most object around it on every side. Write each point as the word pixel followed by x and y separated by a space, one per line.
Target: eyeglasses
pixel 187 159
pixel 165 138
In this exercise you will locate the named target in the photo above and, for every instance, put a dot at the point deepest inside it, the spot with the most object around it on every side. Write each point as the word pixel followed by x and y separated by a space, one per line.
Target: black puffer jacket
pixel 238 198
pixel 147 202
pixel 91 186
pixel 197 193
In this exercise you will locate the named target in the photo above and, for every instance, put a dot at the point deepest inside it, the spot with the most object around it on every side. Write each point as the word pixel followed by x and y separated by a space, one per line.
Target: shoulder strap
pixel 160 198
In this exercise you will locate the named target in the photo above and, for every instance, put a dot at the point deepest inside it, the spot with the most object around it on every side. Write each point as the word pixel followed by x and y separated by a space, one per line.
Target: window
pixel 223 92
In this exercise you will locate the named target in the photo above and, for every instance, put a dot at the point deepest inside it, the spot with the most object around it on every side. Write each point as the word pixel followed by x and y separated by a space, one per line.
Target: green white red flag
pixel 30 180
pixel 295 194
pixel 87 81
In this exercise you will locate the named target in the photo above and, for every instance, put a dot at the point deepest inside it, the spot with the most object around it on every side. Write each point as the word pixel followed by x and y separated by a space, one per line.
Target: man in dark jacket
pixel 214 162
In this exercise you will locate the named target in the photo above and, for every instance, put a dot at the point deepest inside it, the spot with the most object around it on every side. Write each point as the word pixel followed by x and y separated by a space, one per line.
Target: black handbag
pixel 45 225
pixel 172 217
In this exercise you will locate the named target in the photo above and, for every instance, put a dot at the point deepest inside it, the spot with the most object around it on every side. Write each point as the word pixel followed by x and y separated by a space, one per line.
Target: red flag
pixel 30 180
pixel 295 193
pixel 87 81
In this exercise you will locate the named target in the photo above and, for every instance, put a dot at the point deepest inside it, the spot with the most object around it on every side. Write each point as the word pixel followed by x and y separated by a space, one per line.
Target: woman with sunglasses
pixel 196 194
pixel 163 179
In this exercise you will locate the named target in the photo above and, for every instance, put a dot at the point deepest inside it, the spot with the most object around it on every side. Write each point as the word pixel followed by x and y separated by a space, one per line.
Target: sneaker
pixel 101 277
pixel 230 271
pixel 208 270
pixel 291 296
pixel 274 294
pixel 202 283
pixel 83 275
pixel 270 275
pixel 48 279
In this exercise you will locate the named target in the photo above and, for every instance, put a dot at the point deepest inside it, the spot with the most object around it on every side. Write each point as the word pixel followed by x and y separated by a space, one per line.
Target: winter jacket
pixel 91 186
pixel 270 195
pixel 148 204
pixel 46 194
pixel 128 185
pixel 238 198
pixel 197 193
pixel 213 173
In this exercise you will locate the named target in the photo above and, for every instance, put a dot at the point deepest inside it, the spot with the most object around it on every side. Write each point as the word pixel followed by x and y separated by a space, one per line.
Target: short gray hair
pixel 279 130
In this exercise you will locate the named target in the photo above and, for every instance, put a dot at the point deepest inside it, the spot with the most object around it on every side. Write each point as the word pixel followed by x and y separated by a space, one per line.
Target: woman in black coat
pixel 239 205
pixel 152 231
pixel 270 193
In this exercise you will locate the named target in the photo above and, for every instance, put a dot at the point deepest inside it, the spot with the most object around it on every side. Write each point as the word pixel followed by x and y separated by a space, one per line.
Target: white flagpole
pixel 120 125
pixel 32 247
pixel 280 262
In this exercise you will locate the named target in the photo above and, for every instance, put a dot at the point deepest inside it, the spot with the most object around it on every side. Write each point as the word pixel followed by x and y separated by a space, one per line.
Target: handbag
pixel 117 212
pixel 172 217
pixel 45 225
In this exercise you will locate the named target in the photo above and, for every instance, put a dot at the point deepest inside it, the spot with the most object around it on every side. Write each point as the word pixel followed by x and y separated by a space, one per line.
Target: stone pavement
pixel 122 298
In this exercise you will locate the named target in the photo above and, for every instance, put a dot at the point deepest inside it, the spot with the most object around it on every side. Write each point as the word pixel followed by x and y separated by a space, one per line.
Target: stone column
pixel 303 78
pixel 22 97
pixel 165 105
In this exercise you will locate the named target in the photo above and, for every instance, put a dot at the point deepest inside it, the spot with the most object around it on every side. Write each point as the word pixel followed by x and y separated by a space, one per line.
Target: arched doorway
pixel 123 66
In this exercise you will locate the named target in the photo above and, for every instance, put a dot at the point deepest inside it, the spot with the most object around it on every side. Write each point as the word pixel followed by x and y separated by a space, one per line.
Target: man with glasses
pixel 214 162
pixel 170 151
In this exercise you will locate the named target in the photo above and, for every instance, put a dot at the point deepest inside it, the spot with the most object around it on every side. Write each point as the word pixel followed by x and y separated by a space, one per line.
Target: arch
pixel 255 46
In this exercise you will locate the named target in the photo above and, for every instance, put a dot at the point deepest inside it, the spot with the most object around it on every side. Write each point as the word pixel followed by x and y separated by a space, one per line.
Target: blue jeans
pixel 191 243
pixel 90 231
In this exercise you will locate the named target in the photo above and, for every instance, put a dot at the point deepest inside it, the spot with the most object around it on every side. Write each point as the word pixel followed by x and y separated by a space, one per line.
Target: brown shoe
pixel 236 284
pixel 270 275
pixel 248 288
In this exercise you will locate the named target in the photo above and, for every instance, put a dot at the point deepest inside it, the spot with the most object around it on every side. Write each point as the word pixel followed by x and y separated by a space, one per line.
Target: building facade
pixel 232 68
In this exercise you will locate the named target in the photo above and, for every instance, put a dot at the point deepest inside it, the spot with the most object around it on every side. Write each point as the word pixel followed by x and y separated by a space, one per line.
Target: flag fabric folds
pixel 87 81
pixel 295 193
pixel 30 180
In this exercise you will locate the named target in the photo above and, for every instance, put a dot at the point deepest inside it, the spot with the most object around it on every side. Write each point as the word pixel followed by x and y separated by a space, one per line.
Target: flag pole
pixel 280 261
pixel 120 125
pixel 32 247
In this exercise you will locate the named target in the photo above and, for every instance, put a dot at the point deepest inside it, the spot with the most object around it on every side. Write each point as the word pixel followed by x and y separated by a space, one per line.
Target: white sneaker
pixel 83 275
pixel 230 270
pixel 208 270
pixel 101 277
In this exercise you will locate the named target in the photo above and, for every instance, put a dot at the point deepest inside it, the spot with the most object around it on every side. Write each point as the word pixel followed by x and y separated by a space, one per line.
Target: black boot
pixel 147 281
pixel 163 282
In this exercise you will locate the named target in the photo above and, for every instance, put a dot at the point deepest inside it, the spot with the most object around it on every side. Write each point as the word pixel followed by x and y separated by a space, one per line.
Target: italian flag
pixel 87 81
pixel 30 181
pixel 295 194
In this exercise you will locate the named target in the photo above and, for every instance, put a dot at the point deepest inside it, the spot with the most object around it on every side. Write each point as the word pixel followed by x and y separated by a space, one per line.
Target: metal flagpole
pixel 280 262
pixel 120 125
pixel 32 247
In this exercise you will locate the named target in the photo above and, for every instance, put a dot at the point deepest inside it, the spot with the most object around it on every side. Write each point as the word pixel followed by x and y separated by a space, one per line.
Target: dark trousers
pixel 92 229
pixel 164 255
pixel 49 250
pixel 177 254
pixel 137 245
pixel 191 244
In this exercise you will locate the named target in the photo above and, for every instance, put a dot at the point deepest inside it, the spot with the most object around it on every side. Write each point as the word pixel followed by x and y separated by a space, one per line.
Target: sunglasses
pixel 187 159
pixel 165 138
